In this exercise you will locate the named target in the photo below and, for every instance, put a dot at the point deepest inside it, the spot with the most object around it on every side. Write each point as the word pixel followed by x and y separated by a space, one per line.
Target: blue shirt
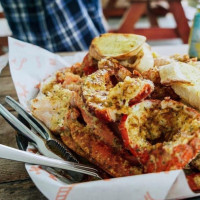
pixel 56 25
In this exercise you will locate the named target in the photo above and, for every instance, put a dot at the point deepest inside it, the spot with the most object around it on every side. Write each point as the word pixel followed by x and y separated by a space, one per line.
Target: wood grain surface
pixel 14 180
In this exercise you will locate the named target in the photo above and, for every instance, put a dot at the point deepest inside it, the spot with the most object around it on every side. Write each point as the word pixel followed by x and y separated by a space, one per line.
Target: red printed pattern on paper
pixel 147 196
pixel 23 92
pixel 63 192
pixel 21 64
pixel 52 61
pixel 35 169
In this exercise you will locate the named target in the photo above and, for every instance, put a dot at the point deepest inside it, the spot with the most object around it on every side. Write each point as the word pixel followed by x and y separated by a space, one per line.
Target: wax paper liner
pixel 29 66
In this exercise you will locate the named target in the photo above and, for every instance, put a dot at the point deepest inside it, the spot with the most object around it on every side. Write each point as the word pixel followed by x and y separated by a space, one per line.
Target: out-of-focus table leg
pixel 183 28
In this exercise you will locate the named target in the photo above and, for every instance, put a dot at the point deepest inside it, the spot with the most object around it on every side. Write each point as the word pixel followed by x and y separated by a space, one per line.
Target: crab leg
pixel 104 134
pixel 103 155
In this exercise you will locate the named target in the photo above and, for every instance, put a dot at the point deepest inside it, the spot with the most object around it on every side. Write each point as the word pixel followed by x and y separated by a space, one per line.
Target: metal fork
pixel 27 157
pixel 59 150
pixel 42 147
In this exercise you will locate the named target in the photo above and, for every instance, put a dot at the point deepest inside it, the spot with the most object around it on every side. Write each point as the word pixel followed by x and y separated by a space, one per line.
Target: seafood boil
pixel 126 109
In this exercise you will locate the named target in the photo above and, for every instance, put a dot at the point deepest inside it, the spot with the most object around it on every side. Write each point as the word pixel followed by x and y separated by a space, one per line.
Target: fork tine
pixel 43 131
pixel 37 126
pixel 84 167
pixel 19 126
pixel 18 155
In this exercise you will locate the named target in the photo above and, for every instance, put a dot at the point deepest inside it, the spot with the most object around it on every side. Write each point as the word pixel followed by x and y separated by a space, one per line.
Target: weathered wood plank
pixel 7 133
pixel 2 101
pixel 7 86
pixel 13 174
pixel 12 171
pixel 5 71
pixel 20 190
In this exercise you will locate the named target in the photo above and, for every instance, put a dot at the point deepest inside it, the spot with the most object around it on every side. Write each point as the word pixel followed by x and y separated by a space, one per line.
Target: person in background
pixel 56 25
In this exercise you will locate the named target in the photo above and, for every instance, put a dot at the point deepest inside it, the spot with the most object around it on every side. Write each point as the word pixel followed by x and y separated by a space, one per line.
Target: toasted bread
pixel 119 46
pixel 146 62
pixel 190 93
pixel 174 73
pixel 142 62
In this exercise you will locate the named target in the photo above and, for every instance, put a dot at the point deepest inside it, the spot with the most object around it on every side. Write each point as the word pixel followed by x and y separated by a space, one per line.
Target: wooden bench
pixel 140 7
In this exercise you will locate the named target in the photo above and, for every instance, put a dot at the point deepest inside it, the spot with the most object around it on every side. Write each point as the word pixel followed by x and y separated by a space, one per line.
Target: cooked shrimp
pixel 68 80
pixel 53 103
pixel 54 108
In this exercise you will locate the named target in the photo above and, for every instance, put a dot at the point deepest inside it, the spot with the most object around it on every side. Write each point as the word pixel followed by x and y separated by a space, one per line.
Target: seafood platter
pixel 125 109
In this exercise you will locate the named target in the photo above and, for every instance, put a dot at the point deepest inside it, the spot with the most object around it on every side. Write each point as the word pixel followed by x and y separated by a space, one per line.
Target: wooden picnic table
pixel 15 182
pixel 138 8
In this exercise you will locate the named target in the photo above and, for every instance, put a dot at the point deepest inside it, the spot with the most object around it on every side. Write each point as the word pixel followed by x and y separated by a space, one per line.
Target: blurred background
pixel 163 22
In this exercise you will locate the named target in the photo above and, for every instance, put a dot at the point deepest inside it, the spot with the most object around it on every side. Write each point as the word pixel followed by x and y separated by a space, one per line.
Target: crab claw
pixel 102 155
pixel 108 99
pixel 164 135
